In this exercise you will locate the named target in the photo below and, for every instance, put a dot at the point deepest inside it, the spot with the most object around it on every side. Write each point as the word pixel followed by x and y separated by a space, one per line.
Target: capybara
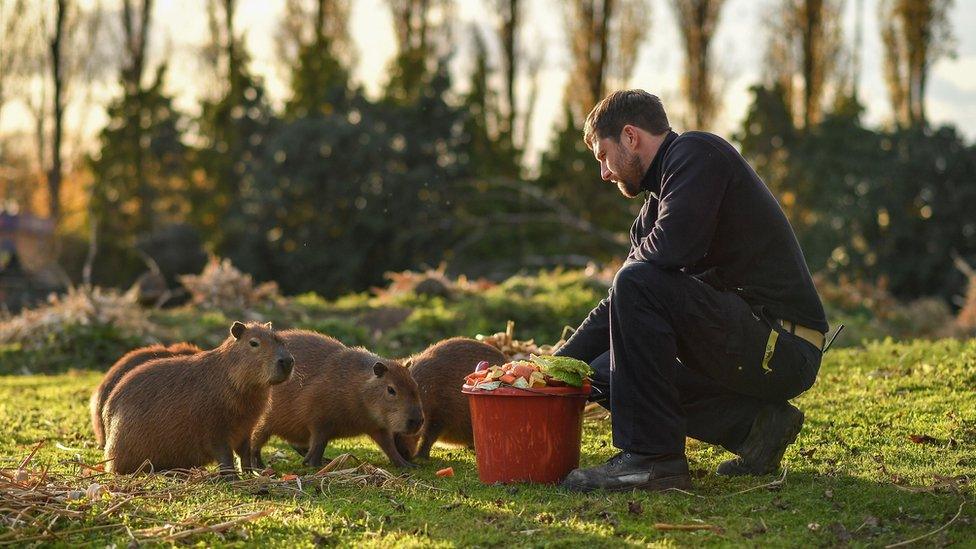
pixel 188 411
pixel 121 367
pixel 439 372
pixel 337 392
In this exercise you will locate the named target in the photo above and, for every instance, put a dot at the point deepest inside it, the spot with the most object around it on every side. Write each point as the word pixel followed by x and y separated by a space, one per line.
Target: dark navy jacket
pixel 708 214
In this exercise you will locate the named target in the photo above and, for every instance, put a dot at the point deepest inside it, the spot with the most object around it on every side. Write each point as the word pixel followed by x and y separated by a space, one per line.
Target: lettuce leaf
pixel 571 378
pixel 564 368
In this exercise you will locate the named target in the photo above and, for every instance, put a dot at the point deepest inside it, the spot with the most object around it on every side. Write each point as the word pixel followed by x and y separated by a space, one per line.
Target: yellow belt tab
pixel 770 347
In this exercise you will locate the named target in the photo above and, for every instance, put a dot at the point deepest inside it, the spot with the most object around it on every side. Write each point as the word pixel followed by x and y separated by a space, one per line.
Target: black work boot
pixel 775 428
pixel 629 471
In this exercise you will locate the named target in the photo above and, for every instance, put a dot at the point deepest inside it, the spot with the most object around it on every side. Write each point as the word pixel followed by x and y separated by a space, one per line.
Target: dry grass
pixel 32 328
pixel 221 286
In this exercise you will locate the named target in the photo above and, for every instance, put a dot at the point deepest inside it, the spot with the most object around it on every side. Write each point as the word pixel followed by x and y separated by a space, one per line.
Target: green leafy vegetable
pixel 564 368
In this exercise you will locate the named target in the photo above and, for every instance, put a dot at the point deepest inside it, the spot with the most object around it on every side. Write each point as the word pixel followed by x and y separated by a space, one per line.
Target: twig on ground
pixel 689 527
pixel 932 533
pixel 216 528
pixel 774 484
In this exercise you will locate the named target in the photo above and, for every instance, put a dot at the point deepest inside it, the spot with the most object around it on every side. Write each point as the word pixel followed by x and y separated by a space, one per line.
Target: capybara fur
pixel 187 411
pixel 439 372
pixel 123 366
pixel 337 392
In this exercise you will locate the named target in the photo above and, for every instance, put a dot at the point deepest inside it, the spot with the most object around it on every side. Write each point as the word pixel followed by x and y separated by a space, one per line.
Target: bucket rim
pixel 509 391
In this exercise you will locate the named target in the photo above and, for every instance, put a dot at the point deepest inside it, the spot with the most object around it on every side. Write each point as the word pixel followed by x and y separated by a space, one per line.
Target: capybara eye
pixel 254 343
pixel 390 390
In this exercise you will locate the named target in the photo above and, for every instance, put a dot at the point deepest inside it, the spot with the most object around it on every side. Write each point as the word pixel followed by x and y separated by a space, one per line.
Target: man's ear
pixel 630 136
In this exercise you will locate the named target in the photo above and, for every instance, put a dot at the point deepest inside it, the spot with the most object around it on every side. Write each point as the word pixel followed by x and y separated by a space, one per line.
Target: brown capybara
pixel 188 411
pixel 121 367
pixel 439 372
pixel 337 392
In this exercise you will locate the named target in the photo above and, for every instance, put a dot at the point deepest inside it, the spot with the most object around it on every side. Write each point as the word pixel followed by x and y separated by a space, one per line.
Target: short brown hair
pixel 613 112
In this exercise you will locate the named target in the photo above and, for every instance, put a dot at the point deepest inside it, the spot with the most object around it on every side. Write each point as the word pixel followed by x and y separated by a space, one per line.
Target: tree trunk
pixel 57 71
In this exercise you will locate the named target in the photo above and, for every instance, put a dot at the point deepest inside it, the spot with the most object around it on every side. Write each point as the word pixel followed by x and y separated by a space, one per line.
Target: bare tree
pixel 604 37
pixel 14 44
pixel 48 76
pixel 804 45
pixel 307 21
pixel 135 26
pixel 509 18
pixel 420 25
pixel 697 21
pixel 915 34
pixel 54 174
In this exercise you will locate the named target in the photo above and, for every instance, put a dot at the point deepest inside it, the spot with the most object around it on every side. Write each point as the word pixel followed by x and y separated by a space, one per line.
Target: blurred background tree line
pixel 334 188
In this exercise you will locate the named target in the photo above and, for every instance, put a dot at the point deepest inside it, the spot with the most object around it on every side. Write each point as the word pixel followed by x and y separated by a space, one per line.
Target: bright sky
pixel 181 28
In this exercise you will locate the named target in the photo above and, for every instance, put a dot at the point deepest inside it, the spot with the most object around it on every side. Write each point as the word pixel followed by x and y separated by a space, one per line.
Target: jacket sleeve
pixel 693 181
pixel 592 338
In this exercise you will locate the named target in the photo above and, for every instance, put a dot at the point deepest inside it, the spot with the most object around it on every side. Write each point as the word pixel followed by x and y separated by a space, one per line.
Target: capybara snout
pixel 261 341
pixel 402 405
pixel 283 367
pixel 414 422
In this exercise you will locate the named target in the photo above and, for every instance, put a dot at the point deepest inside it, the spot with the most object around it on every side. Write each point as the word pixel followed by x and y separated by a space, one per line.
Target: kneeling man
pixel 713 322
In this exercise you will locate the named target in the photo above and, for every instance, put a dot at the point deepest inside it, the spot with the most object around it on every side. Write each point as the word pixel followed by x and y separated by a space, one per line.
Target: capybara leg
pixel 244 452
pixel 316 450
pixel 258 440
pixel 225 460
pixel 302 450
pixel 406 445
pixel 385 440
pixel 96 419
pixel 431 433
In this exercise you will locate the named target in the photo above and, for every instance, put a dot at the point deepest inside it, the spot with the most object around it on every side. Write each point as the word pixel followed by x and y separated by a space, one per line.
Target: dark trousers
pixel 687 359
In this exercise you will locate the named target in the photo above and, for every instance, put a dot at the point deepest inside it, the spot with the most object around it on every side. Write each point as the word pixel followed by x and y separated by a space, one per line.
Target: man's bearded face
pixel 619 165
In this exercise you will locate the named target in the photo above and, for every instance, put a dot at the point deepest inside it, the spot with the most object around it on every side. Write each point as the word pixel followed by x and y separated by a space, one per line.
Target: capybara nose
pixel 414 423
pixel 285 365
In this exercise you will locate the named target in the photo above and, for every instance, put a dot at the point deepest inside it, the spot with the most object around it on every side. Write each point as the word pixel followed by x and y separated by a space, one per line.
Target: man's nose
pixel 605 172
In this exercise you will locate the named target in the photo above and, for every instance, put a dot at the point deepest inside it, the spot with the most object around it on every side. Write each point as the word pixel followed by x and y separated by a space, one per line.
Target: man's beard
pixel 629 181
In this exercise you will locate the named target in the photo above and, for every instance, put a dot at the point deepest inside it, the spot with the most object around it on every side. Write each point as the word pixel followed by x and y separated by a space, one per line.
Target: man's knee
pixel 641 279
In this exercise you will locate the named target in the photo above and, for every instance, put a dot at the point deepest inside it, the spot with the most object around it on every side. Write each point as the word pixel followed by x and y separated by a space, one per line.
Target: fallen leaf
pixel 813 526
pixel 923 439
pixel 446 472
pixel 840 532
pixel 635 508
pixel 289 476
pixel 689 527
pixel 808 453
pixel 828 493
pixel 757 531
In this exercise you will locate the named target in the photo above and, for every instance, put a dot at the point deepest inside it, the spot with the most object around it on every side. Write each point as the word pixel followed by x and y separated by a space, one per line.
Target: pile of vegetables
pixel 537 372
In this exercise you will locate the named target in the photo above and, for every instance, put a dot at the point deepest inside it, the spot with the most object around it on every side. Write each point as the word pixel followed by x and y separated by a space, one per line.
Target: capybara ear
pixel 408 362
pixel 379 369
pixel 267 325
pixel 237 330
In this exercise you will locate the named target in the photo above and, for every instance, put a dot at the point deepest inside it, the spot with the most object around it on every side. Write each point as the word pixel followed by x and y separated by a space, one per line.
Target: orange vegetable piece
pixel 447 472
pixel 507 378
pixel 289 476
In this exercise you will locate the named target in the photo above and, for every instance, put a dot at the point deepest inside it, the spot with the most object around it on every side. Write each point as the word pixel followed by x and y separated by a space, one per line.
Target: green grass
pixel 855 476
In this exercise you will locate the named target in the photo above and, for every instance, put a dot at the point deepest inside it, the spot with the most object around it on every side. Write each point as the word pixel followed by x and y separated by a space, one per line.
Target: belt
pixel 816 338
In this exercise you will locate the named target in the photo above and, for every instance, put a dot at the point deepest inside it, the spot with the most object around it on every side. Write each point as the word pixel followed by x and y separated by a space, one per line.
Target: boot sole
pixel 680 482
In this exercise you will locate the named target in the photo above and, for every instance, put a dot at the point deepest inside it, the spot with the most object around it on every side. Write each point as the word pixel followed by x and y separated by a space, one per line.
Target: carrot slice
pixel 446 472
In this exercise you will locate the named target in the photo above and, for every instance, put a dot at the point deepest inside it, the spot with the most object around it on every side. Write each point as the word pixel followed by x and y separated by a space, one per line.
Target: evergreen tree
pixel 140 170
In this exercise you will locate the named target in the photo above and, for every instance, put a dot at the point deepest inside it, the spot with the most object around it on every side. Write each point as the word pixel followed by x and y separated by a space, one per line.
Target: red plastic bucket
pixel 527 435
